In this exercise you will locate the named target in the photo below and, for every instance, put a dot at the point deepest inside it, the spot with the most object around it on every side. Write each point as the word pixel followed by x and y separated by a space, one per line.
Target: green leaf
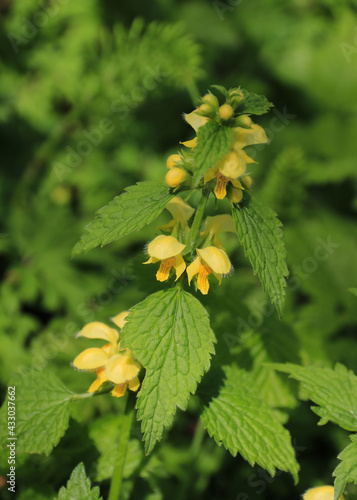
pixel 222 90
pixel 259 231
pixel 42 411
pixel 169 334
pixel 214 142
pixel 254 104
pixel 353 290
pixel 125 214
pixel 79 487
pixel 235 416
pixel 335 391
pixel 346 471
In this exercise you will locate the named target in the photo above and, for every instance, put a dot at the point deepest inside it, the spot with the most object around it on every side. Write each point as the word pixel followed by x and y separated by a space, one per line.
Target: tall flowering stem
pixel 125 428
pixel 195 229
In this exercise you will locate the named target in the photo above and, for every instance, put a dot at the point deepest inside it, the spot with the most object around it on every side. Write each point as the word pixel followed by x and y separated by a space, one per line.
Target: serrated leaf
pixel 79 487
pixel 214 142
pixel 259 231
pixel 125 214
pixel 254 104
pixel 335 391
pixel 169 334
pixel 42 411
pixel 346 471
pixel 235 416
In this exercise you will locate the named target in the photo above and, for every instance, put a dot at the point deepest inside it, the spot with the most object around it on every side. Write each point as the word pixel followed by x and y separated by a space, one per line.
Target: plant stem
pixel 126 421
pixel 192 89
pixel 195 229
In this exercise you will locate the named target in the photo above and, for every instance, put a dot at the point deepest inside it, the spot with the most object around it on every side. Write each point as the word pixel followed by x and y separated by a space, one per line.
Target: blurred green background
pixel 91 101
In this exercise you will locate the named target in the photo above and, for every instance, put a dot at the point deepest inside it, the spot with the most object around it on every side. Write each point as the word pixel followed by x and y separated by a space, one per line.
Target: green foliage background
pixel 91 98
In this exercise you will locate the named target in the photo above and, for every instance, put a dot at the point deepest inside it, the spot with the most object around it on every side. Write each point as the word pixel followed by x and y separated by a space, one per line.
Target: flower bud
pixel 243 121
pixel 237 97
pixel 236 195
pixel 211 100
pixel 247 180
pixel 226 111
pixel 175 176
pixel 173 160
pixel 206 110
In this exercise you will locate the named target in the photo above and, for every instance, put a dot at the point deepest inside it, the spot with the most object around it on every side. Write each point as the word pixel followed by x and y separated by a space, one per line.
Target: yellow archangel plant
pixel 109 362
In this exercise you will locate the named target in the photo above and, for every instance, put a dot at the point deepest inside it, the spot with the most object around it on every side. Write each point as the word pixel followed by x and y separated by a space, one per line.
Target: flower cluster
pixel 231 170
pixel 169 251
pixel 110 363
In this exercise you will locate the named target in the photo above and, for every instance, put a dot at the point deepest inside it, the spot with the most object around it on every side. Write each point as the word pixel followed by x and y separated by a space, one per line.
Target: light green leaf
pixel 259 231
pixel 169 334
pixel 125 214
pixel 235 416
pixel 346 471
pixel 214 142
pixel 254 104
pixel 79 487
pixel 353 290
pixel 335 391
pixel 42 411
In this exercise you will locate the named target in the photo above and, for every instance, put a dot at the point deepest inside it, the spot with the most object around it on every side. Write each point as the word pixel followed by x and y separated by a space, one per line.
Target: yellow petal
pixel 236 183
pixel 216 258
pixel 119 319
pixel 220 189
pixel 180 210
pixel 166 265
pixel 232 165
pixel 91 359
pixel 244 157
pixel 193 269
pixel 219 224
pixel 120 369
pixel 119 390
pixel 249 136
pixel 211 174
pixel 97 330
pixel 151 260
pixel 134 384
pixel 320 493
pixel 99 381
pixel 164 247
pixel 180 266
pixel 196 121
pixel 202 280
pixel 190 144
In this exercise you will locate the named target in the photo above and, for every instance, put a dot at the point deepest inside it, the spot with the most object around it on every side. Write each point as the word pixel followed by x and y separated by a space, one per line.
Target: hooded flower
pixel 108 360
pixel 180 211
pixel 196 121
pixel 216 225
pixel 321 493
pixel 166 249
pixel 234 164
pixel 210 260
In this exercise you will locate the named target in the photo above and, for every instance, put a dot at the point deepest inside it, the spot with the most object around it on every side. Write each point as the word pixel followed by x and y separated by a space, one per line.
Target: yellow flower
pixel 196 121
pixel 210 260
pixel 108 360
pixel 234 164
pixel 175 176
pixel 321 493
pixel 216 225
pixel 180 211
pixel 166 249
pixel 190 144
pixel 173 160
